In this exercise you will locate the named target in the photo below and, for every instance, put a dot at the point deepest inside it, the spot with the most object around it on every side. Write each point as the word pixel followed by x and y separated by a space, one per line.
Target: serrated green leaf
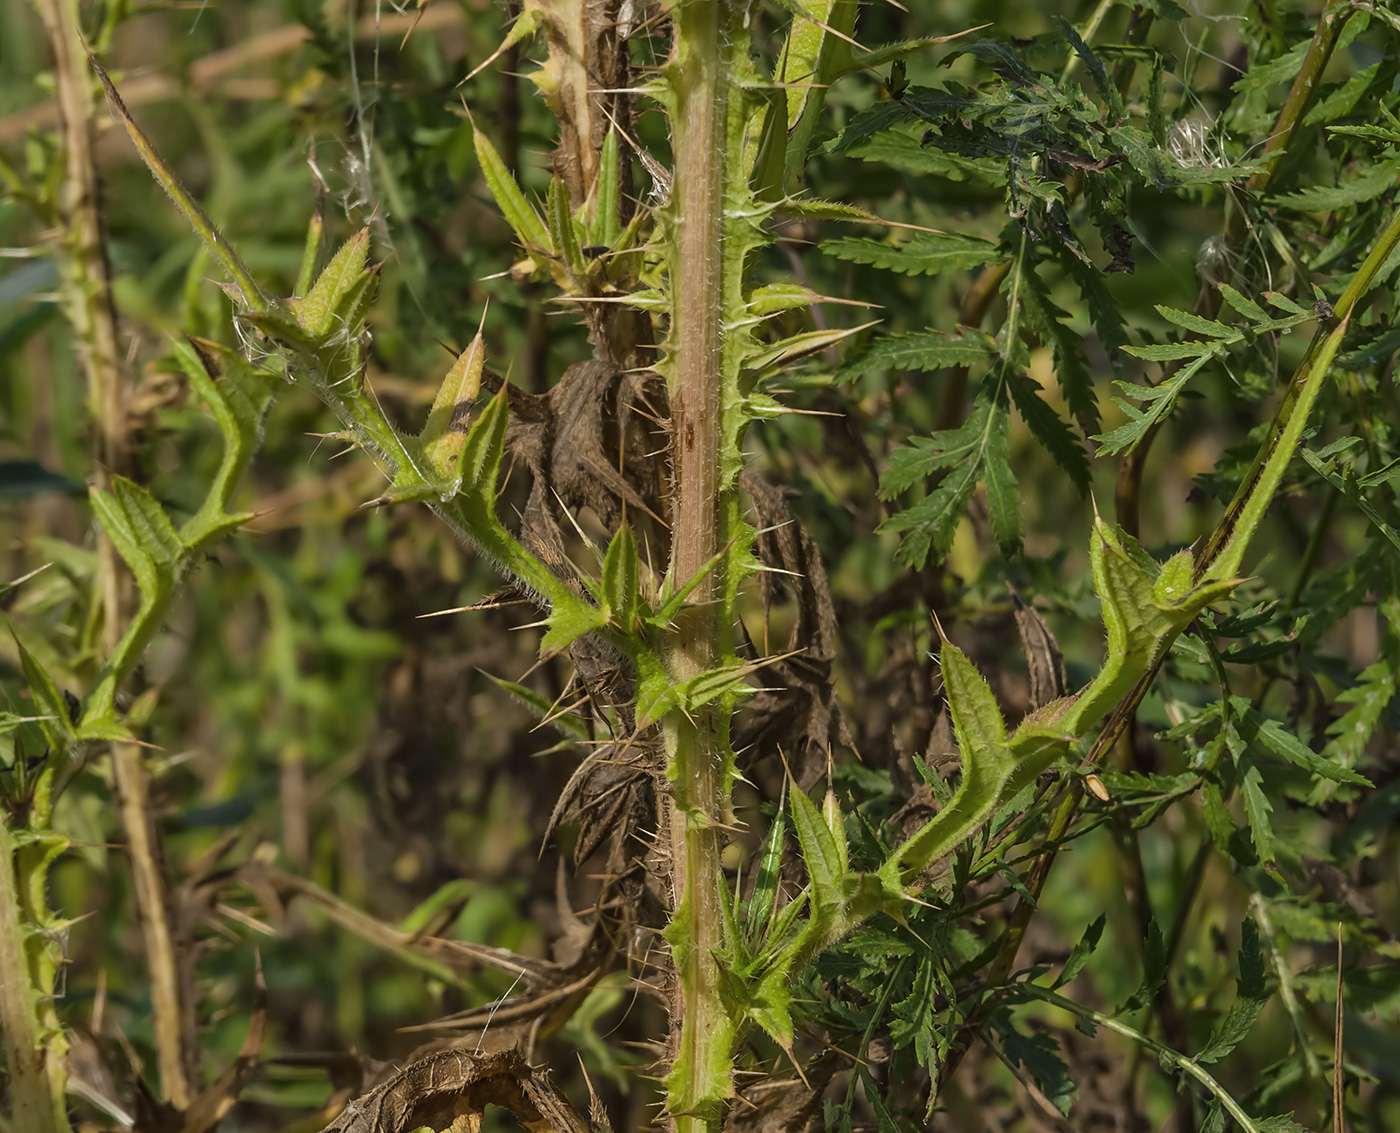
pixel 1081 952
pixel 771 1007
pixel 1154 972
pixel 914 1020
pixel 1048 322
pixel 884 1120
pixel 1171 351
pixel 920 350
pixel 1369 698
pixel 930 524
pixel 822 858
pixel 1216 813
pixel 1161 400
pixel 1246 307
pixel 1341 99
pixel 1278 70
pixel 1284 303
pixel 1211 328
pixel 1052 432
pixel 1250 999
pixel 1003 500
pixel 1379 179
pixel 1272 737
pixel 1257 809
pixel 925 254
pixel 1039 1056
pixel 1108 89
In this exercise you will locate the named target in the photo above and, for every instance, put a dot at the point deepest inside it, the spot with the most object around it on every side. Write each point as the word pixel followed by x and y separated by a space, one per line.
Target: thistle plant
pixel 644 537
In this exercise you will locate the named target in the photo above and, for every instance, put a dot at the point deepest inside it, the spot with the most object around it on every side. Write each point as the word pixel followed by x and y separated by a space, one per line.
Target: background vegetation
pixel 354 804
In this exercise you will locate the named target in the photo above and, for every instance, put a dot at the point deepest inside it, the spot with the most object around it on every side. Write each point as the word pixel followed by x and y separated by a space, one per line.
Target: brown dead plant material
pixel 211 1104
pixel 792 1105
pixel 452 1089
pixel 797 711
pixel 551 990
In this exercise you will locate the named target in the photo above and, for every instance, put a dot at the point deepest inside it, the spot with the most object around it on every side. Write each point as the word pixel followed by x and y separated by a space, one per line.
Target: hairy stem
pixel 702 508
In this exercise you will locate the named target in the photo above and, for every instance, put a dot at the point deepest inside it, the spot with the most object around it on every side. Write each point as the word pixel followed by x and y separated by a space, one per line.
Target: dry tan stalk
pixel 88 302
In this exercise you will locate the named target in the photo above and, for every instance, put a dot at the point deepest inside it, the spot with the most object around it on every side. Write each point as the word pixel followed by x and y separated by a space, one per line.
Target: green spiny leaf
pixel 249 292
pixel 311 252
pixel 562 236
pixel 47 698
pixel 620 596
pixel 314 311
pixel 822 857
pixel 571 726
pixel 445 433
pixel 606 209
pixel 238 396
pixel 520 215
pixel 762 904
pixel 485 445
pixel 567 624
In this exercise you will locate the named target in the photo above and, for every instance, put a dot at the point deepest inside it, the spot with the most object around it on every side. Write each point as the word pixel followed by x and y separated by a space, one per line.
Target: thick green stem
pixel 702 507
